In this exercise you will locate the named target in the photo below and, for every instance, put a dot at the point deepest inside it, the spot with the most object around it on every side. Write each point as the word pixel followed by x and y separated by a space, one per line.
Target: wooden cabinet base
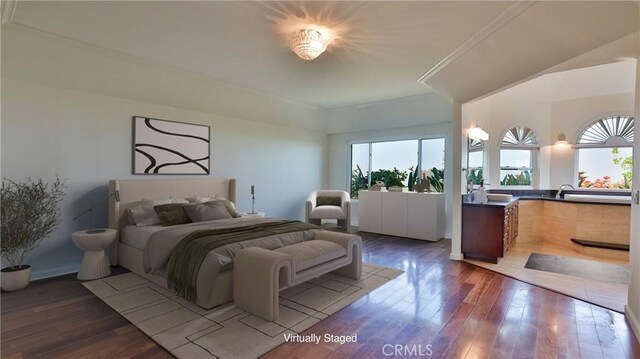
pixel 488 232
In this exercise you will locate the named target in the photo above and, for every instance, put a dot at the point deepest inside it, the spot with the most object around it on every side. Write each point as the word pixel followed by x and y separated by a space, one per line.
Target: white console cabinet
pixel 402 214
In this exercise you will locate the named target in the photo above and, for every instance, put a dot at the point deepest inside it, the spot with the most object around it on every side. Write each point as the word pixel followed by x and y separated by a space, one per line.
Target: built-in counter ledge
pixel 580 196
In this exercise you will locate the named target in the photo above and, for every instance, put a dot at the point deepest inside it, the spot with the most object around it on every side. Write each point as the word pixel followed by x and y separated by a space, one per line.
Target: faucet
pixel 562 189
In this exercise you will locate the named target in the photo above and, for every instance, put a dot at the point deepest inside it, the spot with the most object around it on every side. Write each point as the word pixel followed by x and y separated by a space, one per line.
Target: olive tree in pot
pixel 29 213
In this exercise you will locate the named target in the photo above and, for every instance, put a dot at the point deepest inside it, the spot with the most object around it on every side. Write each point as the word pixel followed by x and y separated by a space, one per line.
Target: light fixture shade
pixel 308 43
pixel 562 139
pixel 476 133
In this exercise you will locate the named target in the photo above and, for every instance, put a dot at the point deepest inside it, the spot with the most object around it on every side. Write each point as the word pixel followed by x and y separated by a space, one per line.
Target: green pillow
pixel 172 213
pixel 328 201
pixel 228 205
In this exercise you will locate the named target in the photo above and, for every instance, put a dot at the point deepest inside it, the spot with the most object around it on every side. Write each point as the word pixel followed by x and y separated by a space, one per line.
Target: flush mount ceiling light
pixel 477 133
pixel 308 43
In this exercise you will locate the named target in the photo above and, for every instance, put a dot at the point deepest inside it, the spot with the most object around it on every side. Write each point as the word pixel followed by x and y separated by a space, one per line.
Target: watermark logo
pixel 403 350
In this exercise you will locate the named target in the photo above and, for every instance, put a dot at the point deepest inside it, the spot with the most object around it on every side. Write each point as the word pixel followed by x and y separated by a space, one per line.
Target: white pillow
pixel 144 215
pixel 198 199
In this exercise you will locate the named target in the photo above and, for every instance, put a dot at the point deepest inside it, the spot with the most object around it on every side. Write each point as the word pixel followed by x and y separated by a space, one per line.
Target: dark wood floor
pixel 440 307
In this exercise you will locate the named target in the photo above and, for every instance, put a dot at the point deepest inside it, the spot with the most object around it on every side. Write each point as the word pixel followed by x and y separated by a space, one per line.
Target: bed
pixel 133 244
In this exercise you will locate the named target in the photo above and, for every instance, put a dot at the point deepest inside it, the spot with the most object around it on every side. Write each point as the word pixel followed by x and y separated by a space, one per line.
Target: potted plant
pixel 29 213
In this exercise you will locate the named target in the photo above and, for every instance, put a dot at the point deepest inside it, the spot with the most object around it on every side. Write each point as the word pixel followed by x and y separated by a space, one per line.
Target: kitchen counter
pixel 468 202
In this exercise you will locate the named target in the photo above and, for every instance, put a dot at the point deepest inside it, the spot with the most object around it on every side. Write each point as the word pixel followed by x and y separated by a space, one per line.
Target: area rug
pixel 584 268
pixel 188 331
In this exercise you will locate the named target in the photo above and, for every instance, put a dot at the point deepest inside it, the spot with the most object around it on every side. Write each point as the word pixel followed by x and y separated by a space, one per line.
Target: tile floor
pixel 607 294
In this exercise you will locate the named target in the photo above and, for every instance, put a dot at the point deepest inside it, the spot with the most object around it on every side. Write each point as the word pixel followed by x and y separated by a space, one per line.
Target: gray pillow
pixel 231 208
pixel 209 212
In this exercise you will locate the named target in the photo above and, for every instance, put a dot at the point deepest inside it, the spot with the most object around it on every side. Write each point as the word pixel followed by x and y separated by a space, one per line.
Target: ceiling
pixel 602 80
pixel 382 48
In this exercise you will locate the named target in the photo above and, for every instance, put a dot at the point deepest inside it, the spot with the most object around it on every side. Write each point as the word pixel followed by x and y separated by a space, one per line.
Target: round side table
pixel 94 242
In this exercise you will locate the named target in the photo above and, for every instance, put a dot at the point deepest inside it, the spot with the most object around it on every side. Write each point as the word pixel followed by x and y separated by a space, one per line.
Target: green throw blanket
pixel 186 259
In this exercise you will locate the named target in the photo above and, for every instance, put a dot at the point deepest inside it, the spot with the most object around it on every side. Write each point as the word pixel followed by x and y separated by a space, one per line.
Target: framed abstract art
pixel 162 147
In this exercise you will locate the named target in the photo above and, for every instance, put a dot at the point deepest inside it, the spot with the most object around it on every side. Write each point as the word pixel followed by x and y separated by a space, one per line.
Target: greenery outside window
pixel 518 154
pixel 475 161
pixel 397 163
pixel 605 153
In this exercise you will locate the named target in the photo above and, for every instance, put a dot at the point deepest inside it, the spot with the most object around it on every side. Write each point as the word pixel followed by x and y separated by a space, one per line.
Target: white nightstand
pixel 252 215
pixel 94 263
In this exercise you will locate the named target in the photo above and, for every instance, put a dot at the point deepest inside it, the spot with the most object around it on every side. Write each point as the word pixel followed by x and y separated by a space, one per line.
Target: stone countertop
pixel 467 202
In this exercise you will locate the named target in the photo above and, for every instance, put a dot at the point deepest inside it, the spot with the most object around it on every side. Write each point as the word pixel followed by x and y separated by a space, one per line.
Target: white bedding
pixel 136 236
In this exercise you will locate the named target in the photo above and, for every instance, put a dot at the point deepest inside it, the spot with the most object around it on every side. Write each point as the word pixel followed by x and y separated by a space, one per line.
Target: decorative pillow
pixel 172 214
pixel 328 201
pixel 209 212
pixel 231 208
pixel 156 202
pixel 198 199
pixel 178 200
pixel 144 215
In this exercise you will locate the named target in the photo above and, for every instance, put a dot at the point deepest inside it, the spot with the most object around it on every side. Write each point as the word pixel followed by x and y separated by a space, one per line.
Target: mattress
pixel 137 237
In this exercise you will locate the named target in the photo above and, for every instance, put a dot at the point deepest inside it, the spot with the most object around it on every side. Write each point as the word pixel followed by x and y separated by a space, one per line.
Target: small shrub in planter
pixel 29 213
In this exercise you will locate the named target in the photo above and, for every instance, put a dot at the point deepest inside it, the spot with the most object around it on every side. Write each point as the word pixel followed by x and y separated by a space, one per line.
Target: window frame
pixel 371 142
pixel 471 148
pixel 529 142
pixel 619 141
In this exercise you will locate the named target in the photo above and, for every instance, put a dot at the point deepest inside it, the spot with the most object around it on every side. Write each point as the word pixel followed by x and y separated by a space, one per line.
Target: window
pixel 359 167
pixel 518 154
pixel 475 161
pixel 396 163
pixel 605 153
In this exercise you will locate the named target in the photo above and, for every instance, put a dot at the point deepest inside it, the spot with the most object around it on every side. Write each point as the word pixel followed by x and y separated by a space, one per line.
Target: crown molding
pixel 496 24
pixel 146 62
pixel 8 10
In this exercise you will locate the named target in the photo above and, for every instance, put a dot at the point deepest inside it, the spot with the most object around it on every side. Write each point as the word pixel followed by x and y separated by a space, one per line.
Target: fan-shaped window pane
pixel 609 130
pixel 520 135
pixel 473 144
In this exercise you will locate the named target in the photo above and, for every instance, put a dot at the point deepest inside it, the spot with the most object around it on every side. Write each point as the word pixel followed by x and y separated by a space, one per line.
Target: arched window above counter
pixel 604 151
pixel 518 155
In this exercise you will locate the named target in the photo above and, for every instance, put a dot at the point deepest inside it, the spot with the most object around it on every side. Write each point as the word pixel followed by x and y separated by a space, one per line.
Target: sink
pixel 597 198
pixel 498 197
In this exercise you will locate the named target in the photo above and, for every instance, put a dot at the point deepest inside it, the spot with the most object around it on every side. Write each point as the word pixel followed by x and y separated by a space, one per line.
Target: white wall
pixel 570 117
pixel 556 164
pixel 33 56
pixel 632 309
pixel 339 160
pixel 496 114
pixel 400 112
pixel 86 138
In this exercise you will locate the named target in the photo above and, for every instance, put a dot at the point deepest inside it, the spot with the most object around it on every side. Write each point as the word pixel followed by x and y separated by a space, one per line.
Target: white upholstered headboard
pixel 129 192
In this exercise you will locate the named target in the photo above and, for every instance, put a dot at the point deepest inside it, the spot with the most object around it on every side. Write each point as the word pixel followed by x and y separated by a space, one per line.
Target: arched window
pixel 605 153
pixel 518 154
pixel 475 161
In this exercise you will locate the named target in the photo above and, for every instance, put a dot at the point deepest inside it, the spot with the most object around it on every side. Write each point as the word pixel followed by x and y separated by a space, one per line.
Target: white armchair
pixel 315 213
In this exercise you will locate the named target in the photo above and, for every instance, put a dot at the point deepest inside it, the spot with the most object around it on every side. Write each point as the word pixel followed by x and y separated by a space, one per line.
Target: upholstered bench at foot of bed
pixel 259 274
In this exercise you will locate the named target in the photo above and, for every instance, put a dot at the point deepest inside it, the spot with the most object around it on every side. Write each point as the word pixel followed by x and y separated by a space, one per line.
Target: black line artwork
pixel 168 147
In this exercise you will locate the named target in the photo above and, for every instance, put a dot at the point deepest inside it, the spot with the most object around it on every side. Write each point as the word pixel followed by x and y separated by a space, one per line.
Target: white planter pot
pixel 15 280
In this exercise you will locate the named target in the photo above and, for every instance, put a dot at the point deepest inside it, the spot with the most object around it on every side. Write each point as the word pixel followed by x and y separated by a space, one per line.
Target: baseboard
pixel 633 320
pixel 456 256
pixel 54 272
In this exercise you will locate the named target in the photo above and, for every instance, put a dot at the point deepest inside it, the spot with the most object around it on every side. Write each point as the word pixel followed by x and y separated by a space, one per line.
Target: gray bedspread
pixel 160 245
